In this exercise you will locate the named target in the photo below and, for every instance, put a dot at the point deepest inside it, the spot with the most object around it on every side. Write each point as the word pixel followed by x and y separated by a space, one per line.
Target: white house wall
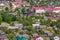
pixel 40 11
pixel 57 11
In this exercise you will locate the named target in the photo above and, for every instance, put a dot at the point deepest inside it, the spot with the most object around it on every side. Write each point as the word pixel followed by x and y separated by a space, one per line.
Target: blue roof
pixel 26 13
pixel 21 38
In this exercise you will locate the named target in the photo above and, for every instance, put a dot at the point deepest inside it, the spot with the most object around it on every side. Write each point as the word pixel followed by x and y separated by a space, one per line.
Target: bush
pixel 11 23
pixel 14 18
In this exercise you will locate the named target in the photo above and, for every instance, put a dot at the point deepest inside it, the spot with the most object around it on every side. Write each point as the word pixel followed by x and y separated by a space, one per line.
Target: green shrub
pixel 11 23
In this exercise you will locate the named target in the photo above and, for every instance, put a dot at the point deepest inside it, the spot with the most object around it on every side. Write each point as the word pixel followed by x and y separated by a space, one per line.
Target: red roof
pixel 20 3
pixel 42 7
pixel 24 3
pixel 56 8
pixel 46 8
pixel 53 18
pixel 39 7
pixel 49 8
pixel 36 37
pixel 56 18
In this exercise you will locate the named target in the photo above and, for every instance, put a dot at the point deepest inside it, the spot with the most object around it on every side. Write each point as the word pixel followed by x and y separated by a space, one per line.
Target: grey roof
pixel 3 36
pixel 2 26
pixel 1 32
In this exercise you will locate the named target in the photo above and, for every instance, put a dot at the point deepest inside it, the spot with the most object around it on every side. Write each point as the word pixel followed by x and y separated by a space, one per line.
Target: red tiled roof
pixel 56 18
pixel 20 2
pixel 24 3
pixel 46 8
pixel 37 8
pixel 49 8
pixel 36 37
pixel 42 7
pixel 56 8
pixel 53 18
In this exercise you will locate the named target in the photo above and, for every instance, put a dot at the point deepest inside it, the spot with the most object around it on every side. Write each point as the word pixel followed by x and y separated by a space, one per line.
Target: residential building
pixel 38 38
pixel 3 37
pixel 12 27
pixel 35 25
pixel 42 26
pixel 19 25
pixel 56 38
pixel 56 10
pixel 21 38
pixel 1 32
pixel 26 35
pixel 53 18
pixel 39 9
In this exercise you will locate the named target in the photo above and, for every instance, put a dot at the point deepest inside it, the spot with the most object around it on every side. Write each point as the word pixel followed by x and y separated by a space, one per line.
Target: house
pixel 52 10
pixel 35 34
pixel 14 14
pixel 53 18
pixel 19 25
pixel 26 35
pixel 19 3
pixel 1 26
pixel 37 22
pixel 54 27
pixel 56 10
pixel 56 38
pixel 21 38
pixel 49 9
pixel 35 25
pixel 38 38
pixel 2 4
pixel 25 3
pixel 39 9
pixel 12 27
pixel 3 37
pixel 45 18
pixel 24 27
pixel 4 24
pixel 43 9
pixel 43 26
pixel 1 32
pixel 48 33
pixel 30 14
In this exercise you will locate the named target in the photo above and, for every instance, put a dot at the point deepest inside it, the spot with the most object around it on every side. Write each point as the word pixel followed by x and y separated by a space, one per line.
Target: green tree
pixel 40 32
pixel 30 30
pixel 11 0
pixel 6 9
pixel 58 24
pixel 53 23
pixel 19 13
pixel 0 19
pixel 10 5
pixel 14 18
pixel 6 17
pixel 57 31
